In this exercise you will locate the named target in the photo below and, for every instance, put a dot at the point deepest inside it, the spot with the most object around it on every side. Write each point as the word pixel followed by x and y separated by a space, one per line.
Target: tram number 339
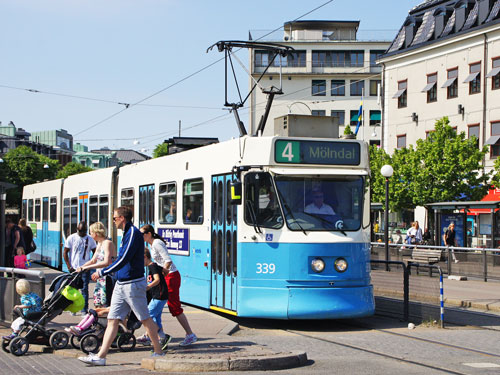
pixel 266 268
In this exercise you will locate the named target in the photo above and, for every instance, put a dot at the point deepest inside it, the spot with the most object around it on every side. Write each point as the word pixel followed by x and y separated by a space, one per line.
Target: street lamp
pixel 387 172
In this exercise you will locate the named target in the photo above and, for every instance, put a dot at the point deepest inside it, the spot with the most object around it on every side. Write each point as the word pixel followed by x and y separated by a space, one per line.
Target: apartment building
pixel 329 74
pixel 445 61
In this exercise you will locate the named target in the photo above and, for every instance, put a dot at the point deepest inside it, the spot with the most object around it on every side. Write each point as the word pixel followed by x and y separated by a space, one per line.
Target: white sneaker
pixel 93 359
pixel 154 355
pixel 456 261
pixel 189 339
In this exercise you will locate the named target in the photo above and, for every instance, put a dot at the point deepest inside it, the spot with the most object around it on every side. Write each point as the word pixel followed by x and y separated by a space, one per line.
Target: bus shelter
pixel 475 219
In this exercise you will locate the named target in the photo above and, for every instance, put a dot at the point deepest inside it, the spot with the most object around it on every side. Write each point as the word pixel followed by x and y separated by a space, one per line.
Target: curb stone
pixel 276 362
pixel 229 329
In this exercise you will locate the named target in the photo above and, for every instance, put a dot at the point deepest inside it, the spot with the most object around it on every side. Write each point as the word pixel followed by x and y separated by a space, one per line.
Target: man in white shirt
pixel 78 250
pixel 318 206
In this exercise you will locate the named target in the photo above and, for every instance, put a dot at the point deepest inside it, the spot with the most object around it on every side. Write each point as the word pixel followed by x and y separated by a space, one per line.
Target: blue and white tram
pixel 272 254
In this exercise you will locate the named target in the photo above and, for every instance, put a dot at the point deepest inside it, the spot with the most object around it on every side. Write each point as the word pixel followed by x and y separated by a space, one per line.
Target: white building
pixel 445 61
pixel 328 75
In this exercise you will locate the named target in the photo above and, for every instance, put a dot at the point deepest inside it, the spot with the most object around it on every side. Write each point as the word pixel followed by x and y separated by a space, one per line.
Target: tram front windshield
pixel 324 203
pixel 319 203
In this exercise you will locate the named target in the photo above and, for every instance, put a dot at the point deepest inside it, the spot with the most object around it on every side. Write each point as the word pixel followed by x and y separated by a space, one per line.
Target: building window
pixel 431 88
pixel 401 141
pixel 474 78
pixel 318 112
pixel 294 60
pixel 474 132
pixel 335 59
pixel 401 95
pixel 318 87
pixel 451 83
pixel 354 117
pixel 340 115
pixel 375 117
pixel 495 148
pixel 357 88
pixel 338 88
pixel 261 59
pixel 374 55
pixel 495 74
pixel 374 87
pixel 495 128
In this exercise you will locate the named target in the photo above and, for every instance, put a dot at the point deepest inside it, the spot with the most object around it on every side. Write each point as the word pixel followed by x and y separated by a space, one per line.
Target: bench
pixel 425 256
pixel 428 256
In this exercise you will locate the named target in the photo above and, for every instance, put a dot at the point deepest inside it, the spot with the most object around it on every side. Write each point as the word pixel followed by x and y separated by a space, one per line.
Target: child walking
pixel 157 290
pixel 30 303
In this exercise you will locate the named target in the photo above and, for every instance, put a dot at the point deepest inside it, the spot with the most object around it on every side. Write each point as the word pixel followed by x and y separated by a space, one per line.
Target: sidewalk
pixel 215 349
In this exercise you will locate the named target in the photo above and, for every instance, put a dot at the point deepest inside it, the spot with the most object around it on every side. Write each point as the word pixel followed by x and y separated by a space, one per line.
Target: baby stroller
pixel 33 330
pixel 125 341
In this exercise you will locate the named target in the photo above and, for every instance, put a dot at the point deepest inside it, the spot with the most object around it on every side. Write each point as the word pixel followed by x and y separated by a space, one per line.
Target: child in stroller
pixel 88 334
pixel 32 330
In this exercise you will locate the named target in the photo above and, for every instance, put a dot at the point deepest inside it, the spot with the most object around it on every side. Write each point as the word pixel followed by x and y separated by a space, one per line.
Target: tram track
pixel 377 353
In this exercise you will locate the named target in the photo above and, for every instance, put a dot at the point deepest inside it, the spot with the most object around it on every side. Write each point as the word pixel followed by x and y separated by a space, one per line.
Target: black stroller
pixel 33 330
pixel 91 339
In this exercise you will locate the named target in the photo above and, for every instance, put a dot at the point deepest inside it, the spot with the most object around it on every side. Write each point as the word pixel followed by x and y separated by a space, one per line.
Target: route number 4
pixel 288 152
pixel 266 268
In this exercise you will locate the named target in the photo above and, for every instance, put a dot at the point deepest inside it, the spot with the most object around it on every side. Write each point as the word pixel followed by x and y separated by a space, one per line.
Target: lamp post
pixel 387 172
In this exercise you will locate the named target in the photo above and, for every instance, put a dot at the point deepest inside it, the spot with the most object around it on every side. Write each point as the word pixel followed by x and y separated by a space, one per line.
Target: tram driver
pixel 317 206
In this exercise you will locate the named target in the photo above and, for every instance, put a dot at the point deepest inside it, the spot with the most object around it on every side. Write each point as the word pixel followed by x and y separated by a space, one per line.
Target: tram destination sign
pixel 317 152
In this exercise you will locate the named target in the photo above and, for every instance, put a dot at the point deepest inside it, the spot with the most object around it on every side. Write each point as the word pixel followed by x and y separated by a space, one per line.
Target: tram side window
pixel 66 217
pixel 192 201
pixel 37 209
pixel 93 209
pixel 74 215
pixel 25 208
pixel 45 211
pixel 261 206
pixel 167 202
pixel 53 209
pixel 128 198
pixel 104 210
pixel 30 210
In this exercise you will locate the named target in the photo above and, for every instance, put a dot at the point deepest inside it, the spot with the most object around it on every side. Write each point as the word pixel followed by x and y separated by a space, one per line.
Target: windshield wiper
pixel 256 226
pixel 327 222
pixel 285 205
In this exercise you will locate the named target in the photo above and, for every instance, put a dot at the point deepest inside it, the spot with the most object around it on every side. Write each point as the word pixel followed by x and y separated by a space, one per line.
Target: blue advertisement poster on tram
pixel 457 219
pixel 177 240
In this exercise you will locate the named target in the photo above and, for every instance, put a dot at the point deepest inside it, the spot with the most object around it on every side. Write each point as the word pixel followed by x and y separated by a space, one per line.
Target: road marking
pixel 482 365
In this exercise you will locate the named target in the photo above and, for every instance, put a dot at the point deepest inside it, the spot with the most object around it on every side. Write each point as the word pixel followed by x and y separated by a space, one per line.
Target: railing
pixel 475 262
pixel 9 297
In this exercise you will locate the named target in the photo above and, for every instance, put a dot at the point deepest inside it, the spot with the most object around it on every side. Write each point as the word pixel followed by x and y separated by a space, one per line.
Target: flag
pixel 360 117
pixel 27 263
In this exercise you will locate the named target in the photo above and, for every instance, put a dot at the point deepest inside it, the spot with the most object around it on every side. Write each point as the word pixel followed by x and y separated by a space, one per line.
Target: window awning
pixel 492 140
pixel 449 82
pixel 471 77
pixel 399 93
pixel 375 116
pixel 428 87
pixel 493 72
pixel 354 117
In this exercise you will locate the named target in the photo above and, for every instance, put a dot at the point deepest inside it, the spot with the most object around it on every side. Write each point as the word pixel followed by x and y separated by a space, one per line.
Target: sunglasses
pixel 116 217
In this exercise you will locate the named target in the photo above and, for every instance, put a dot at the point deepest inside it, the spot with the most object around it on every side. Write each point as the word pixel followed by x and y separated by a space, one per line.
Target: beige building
pixel 445 61
pixel 329 74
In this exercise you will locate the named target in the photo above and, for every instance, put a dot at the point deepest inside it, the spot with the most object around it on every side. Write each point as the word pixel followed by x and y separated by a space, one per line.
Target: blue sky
pixel 123 51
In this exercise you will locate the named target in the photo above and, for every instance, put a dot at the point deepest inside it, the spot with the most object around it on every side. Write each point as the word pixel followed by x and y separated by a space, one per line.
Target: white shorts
pixel 16 324
pixel 130 295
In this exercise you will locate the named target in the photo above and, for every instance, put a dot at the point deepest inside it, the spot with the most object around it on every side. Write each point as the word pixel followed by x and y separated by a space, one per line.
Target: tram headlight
pixel 317 265
pixel 340 264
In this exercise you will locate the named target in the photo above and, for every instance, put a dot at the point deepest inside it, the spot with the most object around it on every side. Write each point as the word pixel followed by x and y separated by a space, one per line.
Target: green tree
pixel 160 150
pixel 71 169
pixel 23 166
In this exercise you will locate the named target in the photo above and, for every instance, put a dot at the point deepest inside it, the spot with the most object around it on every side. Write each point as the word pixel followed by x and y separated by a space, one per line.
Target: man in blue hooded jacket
pixel 130 289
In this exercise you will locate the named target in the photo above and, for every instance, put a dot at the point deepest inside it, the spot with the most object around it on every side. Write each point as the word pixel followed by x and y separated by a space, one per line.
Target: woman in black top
pixel 450 240
pixel 27 235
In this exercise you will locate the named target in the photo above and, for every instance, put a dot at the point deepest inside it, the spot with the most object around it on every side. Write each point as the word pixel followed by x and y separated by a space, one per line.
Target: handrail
pixel 22 271
pixel 436 247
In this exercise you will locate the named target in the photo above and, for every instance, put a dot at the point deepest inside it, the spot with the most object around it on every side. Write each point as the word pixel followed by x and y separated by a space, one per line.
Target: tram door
pixel 44 249
pixel 83 203
pixel 224 244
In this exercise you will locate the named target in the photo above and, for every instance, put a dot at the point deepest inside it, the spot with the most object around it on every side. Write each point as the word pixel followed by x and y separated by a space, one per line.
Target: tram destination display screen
pixel 317 152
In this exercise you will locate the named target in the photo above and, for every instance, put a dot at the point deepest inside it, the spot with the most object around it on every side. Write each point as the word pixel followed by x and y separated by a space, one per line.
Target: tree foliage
pixel 160 150
pixel 71 169
pixel 445 166
pixel 23 166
